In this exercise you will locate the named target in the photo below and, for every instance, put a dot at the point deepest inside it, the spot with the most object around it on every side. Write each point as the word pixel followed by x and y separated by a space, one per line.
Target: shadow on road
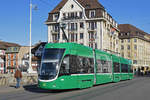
pixel 13 86
pixel 35 89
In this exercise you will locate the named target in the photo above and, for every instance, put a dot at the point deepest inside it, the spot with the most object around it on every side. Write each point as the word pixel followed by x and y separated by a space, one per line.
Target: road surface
pixel 136 89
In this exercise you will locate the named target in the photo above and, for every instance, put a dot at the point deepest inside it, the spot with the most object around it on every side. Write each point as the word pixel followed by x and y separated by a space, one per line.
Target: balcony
pixel 72 30
pixel 92 29
pixel 54 31
pixel 71 18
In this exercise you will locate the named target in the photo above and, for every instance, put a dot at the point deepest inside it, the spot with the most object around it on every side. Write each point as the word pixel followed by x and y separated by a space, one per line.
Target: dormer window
pixel 87 5
pixel 92 14
pixel 81 14
pixel 64 15
pixel 55 17
pixel 72 6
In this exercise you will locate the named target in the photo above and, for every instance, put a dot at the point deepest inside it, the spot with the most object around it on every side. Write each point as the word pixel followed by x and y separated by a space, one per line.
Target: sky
pixel 15 17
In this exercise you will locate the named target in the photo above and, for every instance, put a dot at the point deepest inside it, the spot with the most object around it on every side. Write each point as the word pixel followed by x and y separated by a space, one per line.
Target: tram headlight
pixel 57 66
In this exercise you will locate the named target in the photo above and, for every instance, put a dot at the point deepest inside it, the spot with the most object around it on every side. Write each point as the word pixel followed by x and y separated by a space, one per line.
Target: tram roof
pixel 66 45
pixel 82 50
pixel 73 48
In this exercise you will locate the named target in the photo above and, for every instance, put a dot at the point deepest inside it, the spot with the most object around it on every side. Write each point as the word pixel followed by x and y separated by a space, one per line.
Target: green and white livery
pixel 71 65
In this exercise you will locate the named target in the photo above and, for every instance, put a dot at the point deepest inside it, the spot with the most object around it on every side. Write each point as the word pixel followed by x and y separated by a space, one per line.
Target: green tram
pixel 71 65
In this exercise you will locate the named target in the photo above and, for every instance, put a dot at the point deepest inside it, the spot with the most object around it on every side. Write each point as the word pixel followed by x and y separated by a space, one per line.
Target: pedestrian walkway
pixel 7 89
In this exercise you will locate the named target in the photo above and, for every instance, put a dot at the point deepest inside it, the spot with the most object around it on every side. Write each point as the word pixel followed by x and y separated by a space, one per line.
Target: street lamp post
pixel 30 56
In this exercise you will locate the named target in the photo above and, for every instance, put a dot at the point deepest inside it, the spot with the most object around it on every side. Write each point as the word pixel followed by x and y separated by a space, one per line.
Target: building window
pixel 72 6
pixel 128 47
pixel 81 35
pixel 122 47
pixel 92 25
pixel 56 28
pixel 14 56
pixel 74 26
pixel 14 63
pixel 76 14
pixel 81 14
pixel 116 41
pixel 9 49
pixel 121 41
pixel 114 45
pixel 14 49
pixel 128 40
pixel 91 36
pixel 72 15
pixel 69 15
pixel 135 40
pixel 121 34
pixel 135 54
pixel 135 47
pixel 92 13
pixel 134 61
pixel 55 17
pixel 128 54
pixel 9 63
pixel 9 57
pixel 73 37
pixel 55 37
pixel 81 25
pixel 64 15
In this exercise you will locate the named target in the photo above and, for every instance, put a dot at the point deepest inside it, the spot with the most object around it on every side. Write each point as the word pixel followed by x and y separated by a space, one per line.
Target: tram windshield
pixel 50 62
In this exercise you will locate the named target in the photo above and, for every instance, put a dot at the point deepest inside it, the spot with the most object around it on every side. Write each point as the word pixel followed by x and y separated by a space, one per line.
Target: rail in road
pixel 135 89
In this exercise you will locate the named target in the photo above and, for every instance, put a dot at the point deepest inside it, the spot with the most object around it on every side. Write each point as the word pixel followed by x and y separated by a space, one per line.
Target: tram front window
pixel 50 62
pixel 53 54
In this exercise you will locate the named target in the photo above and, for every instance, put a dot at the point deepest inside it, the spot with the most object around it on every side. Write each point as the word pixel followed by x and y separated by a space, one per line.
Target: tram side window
pixel 99 66
pixel 64 69
pixel 91 65
pixel 109 66
pixel 81 65
pixel 124 68
pixel 106 66
pixel 116 67
pixel 130 69
pixel 73 64
pixel 85 65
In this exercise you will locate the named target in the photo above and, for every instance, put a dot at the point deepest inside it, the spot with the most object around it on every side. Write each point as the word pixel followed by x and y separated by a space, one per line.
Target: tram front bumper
pixel 48 85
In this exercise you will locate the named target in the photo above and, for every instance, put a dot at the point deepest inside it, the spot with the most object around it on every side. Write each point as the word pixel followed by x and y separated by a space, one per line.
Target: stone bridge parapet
pixel 27 79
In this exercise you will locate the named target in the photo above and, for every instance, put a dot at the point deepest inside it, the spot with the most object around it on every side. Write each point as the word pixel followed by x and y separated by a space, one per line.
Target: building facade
pixel 11 59
pixel 135 45
pixel 2 60
pixel 85 22
pixel 22 52
pixel 5 54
